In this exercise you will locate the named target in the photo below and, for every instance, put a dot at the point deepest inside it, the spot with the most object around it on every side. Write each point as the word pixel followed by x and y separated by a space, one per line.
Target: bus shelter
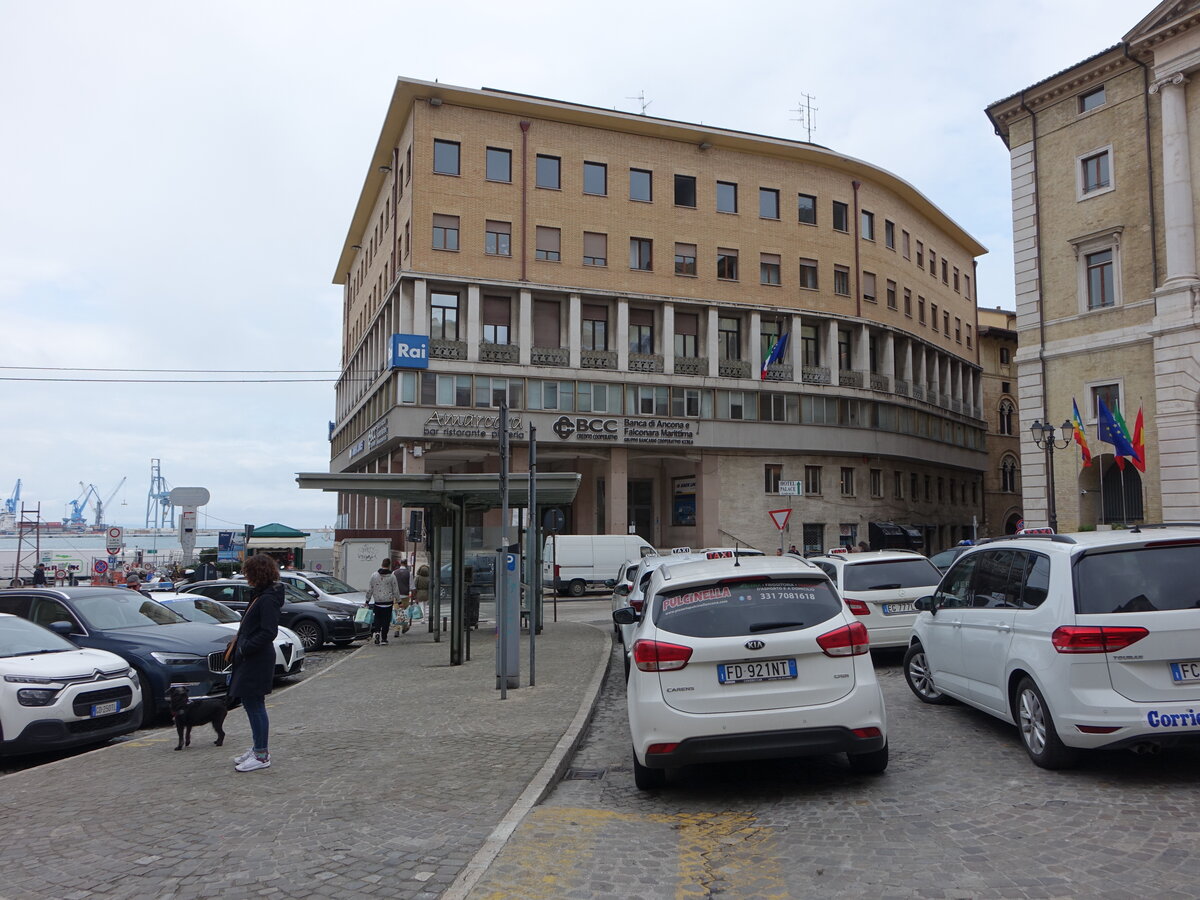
pixel 446 500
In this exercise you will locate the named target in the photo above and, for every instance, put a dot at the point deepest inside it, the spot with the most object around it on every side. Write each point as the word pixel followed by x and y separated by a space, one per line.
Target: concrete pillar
pixel 753 352
pixel 860 352
pixel 710 342
pixel 621 335
pixel 795 349
pixel 668 338
pixel 474 323
pixel 830 333
pixel 616 492
pixel 887 364
pixel 525 326
pixel 574 329
pixel 1178 215
pixel 420 311
pixel 906 364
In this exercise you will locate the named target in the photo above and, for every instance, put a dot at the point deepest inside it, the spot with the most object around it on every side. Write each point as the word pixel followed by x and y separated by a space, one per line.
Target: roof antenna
pixel 736 558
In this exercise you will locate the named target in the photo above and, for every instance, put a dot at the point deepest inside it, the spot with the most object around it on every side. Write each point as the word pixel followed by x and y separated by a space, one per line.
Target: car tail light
pixel 867 732
pixel 638 603
pixel 1095 638
pixel 557 572
pixel 659 656
pixel 849 640
pixel 858 607
pixel 662 748
pixel 1098 729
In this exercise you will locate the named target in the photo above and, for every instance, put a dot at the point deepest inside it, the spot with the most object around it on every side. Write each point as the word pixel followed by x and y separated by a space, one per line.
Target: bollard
pixel 445 623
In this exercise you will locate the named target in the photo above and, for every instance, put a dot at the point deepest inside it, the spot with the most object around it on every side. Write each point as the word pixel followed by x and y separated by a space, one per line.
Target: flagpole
pixel 1124 517
pixel 1103 509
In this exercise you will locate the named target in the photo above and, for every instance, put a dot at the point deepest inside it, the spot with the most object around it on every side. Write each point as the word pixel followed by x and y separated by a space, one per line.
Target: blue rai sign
pixel 410 351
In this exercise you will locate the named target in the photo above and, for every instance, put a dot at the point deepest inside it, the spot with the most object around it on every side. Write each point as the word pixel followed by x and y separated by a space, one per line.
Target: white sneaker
pixel 242 757
pixel 253 763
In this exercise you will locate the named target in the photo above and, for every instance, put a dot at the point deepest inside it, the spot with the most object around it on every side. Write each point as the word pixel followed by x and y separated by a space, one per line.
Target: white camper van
pixel 572 563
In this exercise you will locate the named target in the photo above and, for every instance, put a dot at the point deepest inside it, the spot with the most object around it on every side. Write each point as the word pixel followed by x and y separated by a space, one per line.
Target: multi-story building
pixel 620 281
pixel 1002 481
pixel 1104 207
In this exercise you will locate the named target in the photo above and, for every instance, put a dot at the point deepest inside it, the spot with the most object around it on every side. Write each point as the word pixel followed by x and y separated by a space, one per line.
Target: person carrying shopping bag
pixel 382 594
pixel 404 590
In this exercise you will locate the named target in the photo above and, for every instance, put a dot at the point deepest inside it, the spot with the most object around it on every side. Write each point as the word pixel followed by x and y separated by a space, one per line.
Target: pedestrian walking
pixel 404 595
pixel 421 592
pixel 382 594
pixel 39 575
pixel 254 656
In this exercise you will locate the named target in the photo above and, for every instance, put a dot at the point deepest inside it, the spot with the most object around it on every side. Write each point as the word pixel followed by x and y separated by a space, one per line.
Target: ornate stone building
pixel 1104 175
pixel 1002 481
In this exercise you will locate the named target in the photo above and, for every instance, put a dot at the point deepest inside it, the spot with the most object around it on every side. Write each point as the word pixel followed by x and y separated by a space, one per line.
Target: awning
pixel 277 543
pixel 475 491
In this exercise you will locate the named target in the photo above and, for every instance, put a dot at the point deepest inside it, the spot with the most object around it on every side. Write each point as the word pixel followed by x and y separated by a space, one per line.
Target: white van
pixel 572 563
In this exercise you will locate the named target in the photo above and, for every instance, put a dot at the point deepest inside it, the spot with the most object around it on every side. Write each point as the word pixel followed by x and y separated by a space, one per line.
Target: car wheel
pixel 149 708
pixel 920 678
pixel 310 634
pixel 872 763
pixel 1038 733
pixel 625 658
pixel 648 779
pixel 576 588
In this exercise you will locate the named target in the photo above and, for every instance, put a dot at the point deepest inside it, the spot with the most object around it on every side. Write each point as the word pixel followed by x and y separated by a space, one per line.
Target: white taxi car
pixel 745 659
pixel 1083 641
pixel 53 695
pixel 880 587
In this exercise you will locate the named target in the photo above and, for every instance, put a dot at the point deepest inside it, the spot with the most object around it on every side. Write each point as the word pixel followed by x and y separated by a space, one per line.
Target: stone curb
pixel 542 783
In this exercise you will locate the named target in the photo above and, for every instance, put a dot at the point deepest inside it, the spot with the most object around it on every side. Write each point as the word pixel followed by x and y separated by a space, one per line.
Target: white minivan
pixel 573 563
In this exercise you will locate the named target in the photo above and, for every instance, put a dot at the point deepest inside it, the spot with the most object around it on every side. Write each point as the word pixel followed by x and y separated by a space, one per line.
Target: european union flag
pixel 1112 433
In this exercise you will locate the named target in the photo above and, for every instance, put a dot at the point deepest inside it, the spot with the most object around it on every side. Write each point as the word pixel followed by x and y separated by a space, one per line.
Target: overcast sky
pixel 176 181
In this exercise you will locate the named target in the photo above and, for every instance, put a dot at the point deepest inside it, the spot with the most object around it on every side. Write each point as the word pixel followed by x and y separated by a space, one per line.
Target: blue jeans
pixel 256 712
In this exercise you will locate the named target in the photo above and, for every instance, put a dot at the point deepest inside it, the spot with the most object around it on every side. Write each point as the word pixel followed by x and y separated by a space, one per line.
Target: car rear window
pixel 745 606
pixel 890 574
pixel 1140 579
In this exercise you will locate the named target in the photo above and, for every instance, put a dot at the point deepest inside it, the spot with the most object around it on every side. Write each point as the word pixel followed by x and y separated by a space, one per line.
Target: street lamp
pixel 1045 438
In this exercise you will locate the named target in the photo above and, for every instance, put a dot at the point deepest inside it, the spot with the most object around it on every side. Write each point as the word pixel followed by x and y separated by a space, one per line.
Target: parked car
pixel 880 588
pixel 945 559
pixel 320 586
pixel 162 646
pixel 572 563
pixel 314 622
pixel 740 660
pixel 482 570
pixel 289 649
pixel 1083 641
pixel 54 695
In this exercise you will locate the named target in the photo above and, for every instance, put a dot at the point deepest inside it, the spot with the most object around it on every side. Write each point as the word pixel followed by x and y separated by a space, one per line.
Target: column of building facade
pixel 711 341
pixel 525 327
pixel 668 338
pixel 622 335
pixel 574 330
pixel 906 364
pixel 474 320
pixel 829 335
pixel 754 339
pixel 860 352
pixel 616 491
pixel 1178 200
pixel 420 307
pixel 935 376
pixel 887 365
pixel 796 348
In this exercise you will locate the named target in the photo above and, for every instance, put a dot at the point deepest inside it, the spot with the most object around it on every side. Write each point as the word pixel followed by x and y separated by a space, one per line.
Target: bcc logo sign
pixel 565 426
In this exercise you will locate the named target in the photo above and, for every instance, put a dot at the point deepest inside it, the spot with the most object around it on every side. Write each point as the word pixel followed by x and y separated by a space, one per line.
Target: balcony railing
pixel 944 401
pixel 901 387
pixel 956 406
pixel 815 375
pixel 733 368
pixel 502 353
pixel 879 382
pixel 850 379
pixel 550 356
pixel 691 365
pixel 443 349
pixel 779 372
pixel 645 362
pixel 598 359
pixel 918 392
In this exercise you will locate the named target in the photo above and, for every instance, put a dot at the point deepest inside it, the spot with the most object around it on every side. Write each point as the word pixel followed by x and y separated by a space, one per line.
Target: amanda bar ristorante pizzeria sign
pixel 587 429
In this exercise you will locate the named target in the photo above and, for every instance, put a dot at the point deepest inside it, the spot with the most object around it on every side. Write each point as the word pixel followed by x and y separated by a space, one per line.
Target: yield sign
pixel 780 517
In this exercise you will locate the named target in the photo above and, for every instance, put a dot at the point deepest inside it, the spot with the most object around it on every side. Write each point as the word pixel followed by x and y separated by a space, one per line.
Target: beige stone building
pixel 619 280
pixel 1104 197
pixel 1002 481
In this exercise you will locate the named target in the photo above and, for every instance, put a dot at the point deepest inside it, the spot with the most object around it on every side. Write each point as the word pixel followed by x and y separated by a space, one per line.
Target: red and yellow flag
pixel 1139 442
pixel 1080 433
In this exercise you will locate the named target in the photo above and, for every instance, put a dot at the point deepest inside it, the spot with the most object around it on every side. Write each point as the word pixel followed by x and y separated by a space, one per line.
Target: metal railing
pixel 645 362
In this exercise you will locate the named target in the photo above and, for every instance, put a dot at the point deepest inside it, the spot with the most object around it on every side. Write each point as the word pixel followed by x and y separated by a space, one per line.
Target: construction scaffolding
pixel 29 541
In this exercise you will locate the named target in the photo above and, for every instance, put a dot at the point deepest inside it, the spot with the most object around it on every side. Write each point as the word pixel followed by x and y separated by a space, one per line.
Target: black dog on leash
pixel 187 712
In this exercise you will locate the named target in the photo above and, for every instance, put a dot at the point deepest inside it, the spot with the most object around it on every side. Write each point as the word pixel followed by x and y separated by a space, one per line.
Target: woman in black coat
pixel 254 656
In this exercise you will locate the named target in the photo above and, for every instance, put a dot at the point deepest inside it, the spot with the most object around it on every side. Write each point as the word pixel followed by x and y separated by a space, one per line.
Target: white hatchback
pixel 1084 641
pixel 880 588
pixel 53 695
pixel 745 659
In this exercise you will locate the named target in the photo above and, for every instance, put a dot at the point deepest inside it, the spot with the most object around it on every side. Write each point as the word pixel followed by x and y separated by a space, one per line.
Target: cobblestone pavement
pixel 390 771
pixel 960 813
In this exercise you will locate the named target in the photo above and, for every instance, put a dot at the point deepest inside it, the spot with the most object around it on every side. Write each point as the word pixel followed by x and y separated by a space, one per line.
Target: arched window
pixel 1008 475
pixel 1006 417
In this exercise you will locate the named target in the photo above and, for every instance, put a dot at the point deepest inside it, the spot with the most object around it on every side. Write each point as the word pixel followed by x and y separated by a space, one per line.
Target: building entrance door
pixel 640 508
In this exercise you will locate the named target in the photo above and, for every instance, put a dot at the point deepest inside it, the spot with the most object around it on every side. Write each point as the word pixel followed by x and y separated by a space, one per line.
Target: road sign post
pixel 780 518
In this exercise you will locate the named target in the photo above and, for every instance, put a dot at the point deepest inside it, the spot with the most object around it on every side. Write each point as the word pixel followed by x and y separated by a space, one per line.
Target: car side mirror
pixel 626 615
pixel 925 604
pixel 624 589
pixel 65 629
pixel 609 582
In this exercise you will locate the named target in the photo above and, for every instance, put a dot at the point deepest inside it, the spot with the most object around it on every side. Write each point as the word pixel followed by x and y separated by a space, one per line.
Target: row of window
pixel 773 473
pixel 445 323
pixel 498 167
pixel 604 398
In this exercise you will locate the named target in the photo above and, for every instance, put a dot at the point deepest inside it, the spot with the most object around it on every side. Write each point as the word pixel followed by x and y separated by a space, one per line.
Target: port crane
pixel 10 505
pixel 77 519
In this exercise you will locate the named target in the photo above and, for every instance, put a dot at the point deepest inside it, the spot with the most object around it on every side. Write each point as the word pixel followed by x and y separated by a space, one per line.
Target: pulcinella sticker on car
pixel 693 597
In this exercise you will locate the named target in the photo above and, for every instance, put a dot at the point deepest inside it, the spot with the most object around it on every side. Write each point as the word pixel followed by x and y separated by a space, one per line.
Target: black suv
pixel 316 622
